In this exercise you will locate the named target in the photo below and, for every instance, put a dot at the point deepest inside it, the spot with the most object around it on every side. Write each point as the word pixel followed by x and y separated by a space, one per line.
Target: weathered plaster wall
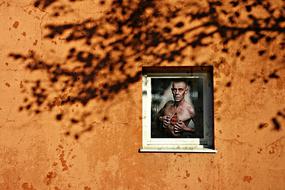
pixel 37 153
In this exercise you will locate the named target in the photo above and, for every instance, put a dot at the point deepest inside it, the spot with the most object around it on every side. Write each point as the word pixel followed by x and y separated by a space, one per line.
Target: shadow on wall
pixel 142 31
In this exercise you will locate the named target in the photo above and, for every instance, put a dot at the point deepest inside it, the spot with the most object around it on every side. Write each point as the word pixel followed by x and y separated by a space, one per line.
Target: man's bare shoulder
pixel 167 106
pixel 189 108
pixel 169 103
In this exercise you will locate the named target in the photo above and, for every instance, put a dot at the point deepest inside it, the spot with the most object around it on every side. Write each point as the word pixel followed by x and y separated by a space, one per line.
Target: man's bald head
pixel 179 89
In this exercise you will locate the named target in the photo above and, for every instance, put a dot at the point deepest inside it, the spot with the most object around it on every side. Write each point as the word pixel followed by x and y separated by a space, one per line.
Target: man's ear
pixel 187 89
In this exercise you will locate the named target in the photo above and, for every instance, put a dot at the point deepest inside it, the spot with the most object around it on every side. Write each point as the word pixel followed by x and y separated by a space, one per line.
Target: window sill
pixel 175 150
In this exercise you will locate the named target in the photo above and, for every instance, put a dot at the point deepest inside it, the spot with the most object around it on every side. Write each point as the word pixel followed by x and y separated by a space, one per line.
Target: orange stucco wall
pixel 39 152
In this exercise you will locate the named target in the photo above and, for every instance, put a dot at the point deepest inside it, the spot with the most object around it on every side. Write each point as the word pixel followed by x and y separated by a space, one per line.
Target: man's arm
pixel 181 126
pixel 191 111
pixel 191 125
pixel 164 119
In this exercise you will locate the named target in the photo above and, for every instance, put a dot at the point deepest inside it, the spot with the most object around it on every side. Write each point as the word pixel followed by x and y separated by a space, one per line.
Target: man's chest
pixel 182 114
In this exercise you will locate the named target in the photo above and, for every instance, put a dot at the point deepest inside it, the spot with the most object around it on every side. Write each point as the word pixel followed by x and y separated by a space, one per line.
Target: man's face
pixel 179 89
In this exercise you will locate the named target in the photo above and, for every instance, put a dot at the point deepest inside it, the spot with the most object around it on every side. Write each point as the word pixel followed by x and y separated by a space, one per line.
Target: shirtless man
pixel 176 115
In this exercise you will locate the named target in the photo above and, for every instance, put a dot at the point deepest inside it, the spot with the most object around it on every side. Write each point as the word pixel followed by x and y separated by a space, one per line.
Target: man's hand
pixel 165 121
pixel 180 126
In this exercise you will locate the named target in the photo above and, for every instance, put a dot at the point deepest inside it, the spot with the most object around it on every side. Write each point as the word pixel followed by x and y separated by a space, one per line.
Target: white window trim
pixel 177 144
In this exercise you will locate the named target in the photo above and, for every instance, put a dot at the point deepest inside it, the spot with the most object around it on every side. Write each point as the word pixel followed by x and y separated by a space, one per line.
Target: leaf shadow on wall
pixel 155 33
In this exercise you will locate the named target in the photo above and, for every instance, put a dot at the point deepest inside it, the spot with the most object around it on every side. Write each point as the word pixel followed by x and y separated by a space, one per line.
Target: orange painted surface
pixel 53 151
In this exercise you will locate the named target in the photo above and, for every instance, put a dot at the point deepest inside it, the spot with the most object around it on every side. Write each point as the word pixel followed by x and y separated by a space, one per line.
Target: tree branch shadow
pixel 134 32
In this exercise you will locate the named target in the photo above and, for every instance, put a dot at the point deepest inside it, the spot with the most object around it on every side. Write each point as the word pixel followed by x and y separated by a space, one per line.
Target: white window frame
pixel 205 144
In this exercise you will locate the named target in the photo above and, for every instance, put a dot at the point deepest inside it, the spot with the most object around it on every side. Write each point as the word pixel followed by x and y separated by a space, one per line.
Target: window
pixel 178 109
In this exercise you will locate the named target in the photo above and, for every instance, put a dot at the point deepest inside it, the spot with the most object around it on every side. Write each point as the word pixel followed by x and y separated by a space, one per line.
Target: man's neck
pixel 178 103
